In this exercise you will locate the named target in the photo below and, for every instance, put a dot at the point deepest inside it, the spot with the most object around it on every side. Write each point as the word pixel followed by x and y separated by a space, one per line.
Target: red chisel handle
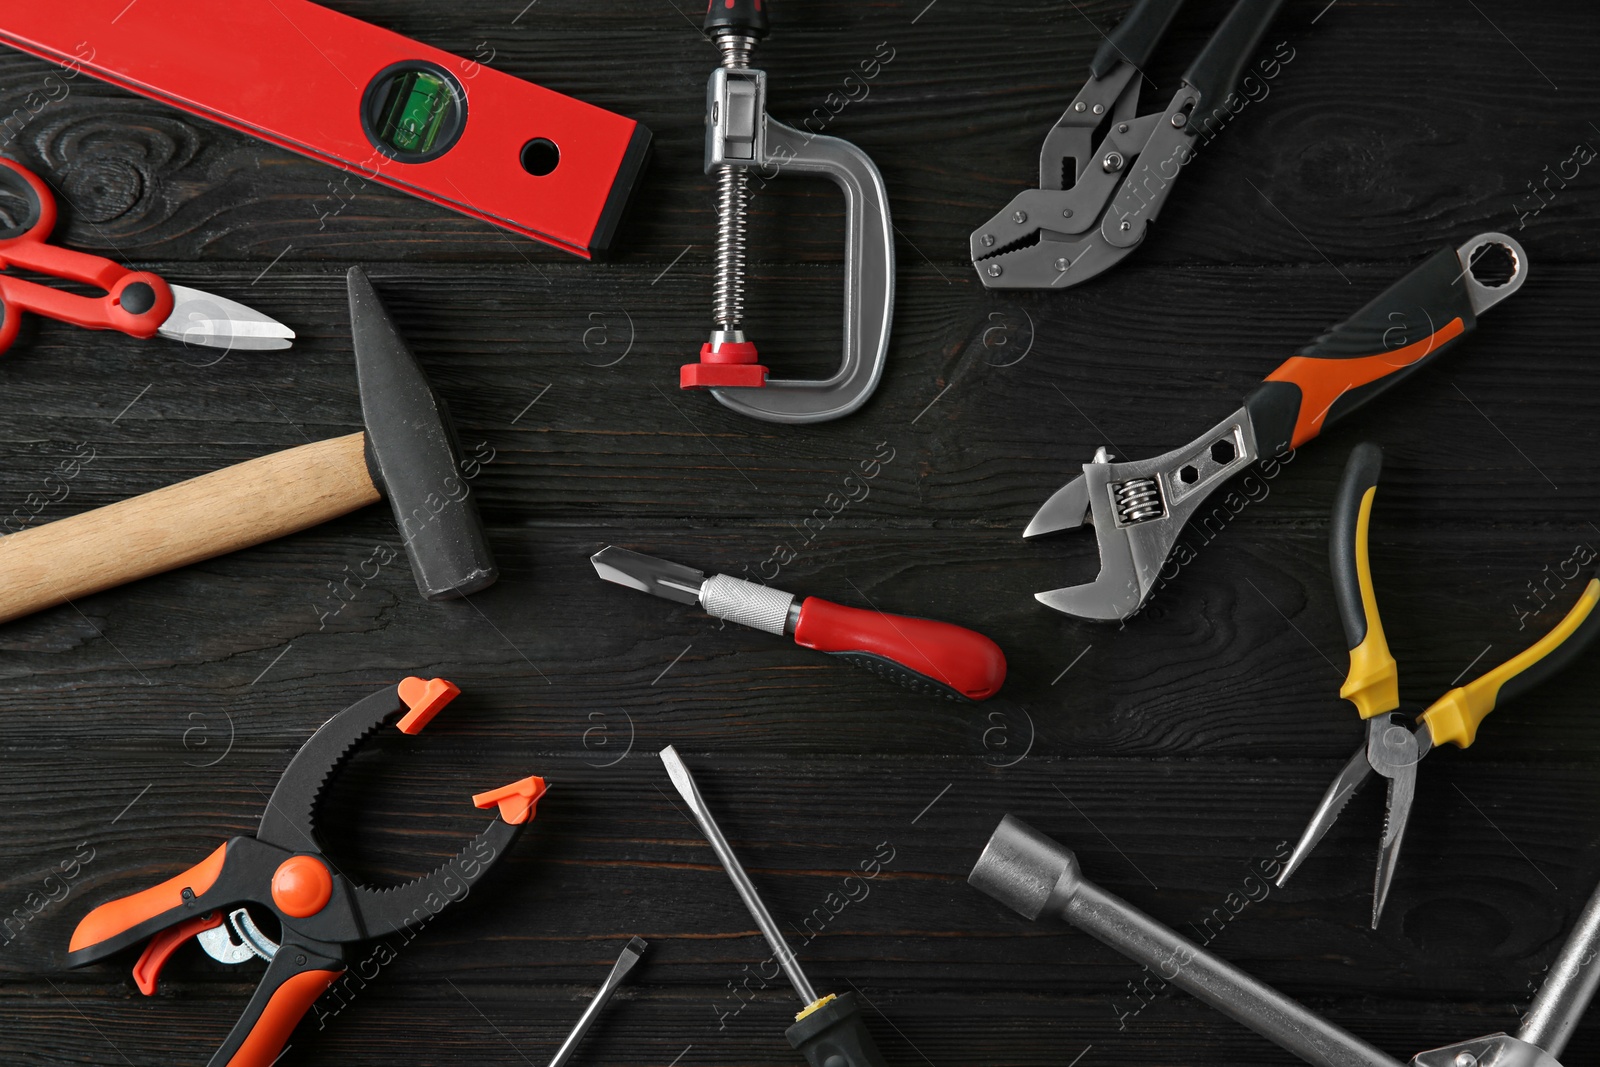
pixel 921 654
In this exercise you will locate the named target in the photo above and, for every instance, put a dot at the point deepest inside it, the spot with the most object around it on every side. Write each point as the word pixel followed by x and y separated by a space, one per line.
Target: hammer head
pixel 414 457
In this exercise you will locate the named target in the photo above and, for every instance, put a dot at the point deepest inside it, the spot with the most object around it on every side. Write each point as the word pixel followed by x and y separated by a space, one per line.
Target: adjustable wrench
pixel 1139 509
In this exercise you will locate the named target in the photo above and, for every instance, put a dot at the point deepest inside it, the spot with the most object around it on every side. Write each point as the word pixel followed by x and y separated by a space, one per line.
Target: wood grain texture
pixel 147 723
pixel 194 520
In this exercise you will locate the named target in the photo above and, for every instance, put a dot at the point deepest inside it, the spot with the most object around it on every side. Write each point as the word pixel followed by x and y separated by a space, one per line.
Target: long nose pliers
pixel 282 873
pixel 1393 747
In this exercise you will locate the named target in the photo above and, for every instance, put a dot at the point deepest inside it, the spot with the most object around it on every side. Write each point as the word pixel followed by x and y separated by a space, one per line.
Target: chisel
pixel 829 1031
pixel 924 655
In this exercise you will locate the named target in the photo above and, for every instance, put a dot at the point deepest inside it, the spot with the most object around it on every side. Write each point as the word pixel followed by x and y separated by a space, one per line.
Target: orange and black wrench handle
pixel 1410 325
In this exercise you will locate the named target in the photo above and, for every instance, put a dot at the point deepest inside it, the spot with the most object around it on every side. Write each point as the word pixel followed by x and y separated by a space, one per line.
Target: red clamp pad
pixel 516 801
pixel 425 699
pixel 161 947
pixel 730 364
pixel 467 136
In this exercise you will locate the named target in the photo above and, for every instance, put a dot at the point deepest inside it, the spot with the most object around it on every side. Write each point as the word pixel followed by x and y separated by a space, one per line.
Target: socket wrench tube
pixel 1033 875
pixel 1569 987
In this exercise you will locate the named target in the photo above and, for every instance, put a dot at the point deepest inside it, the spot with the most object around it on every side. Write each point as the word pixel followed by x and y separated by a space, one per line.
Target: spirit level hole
pixel 540 156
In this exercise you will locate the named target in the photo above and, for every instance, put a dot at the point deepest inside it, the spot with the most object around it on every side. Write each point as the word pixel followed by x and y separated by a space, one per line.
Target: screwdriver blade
pixel 619 970
pixel 684 782
pixel 647 574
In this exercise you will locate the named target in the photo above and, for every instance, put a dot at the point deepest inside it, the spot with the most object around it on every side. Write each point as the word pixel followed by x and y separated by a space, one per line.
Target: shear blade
pixel 202 318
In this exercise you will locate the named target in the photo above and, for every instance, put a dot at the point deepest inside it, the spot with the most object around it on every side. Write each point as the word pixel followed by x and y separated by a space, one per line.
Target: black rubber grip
pixel 1216 69
pixel 748 17
pixel 1346 548
pixel 835 1035
pixel 1576 644
pixel 1410 310
pixel 1405 328
pixel 1135 37
pixel 898 673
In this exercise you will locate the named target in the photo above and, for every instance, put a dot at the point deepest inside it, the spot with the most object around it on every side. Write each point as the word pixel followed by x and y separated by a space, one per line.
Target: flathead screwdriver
pixel 829 1031
pixel 619 970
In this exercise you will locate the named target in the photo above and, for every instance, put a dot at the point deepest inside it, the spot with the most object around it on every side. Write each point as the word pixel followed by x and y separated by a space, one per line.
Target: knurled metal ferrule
pixel 759 607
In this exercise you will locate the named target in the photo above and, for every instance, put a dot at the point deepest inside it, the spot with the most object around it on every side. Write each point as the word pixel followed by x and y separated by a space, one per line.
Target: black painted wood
pixel 1177 754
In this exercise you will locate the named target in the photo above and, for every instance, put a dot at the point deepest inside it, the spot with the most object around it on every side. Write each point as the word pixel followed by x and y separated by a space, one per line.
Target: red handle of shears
pixel 136 302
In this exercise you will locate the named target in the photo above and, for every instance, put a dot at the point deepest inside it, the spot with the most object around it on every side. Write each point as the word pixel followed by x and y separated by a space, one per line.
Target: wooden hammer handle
pixel 211 515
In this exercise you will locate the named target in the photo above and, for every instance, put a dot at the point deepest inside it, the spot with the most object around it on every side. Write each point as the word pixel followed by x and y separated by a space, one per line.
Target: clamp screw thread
pixel 727 292
pixel 733 201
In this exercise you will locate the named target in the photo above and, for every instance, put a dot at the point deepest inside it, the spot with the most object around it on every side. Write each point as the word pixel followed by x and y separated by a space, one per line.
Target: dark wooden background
pixel 1177 754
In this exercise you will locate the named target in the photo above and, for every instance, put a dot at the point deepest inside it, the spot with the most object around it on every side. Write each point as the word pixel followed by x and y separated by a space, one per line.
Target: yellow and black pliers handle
pixel 1372 684
pixel 1454 717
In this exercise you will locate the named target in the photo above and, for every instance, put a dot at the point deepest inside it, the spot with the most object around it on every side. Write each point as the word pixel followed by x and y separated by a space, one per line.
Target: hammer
pixel 408 452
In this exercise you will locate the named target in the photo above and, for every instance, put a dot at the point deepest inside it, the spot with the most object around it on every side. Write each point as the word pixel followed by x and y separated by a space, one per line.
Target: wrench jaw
pixel 1138 510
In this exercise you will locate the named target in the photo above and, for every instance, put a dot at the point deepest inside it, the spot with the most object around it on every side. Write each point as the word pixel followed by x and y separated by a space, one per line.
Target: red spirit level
pixel 331 87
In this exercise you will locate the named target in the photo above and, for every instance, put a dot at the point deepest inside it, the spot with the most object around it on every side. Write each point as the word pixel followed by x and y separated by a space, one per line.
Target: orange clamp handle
pixel 147 972
pixel 123 914
pixel 288 1005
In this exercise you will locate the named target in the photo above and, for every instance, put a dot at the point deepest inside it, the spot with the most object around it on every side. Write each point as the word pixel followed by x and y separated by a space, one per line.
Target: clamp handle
pixel 1373 684
pixel 1408 326
pixel 745 17
pixel 295 978
pixel 122 922
pixel 1455 716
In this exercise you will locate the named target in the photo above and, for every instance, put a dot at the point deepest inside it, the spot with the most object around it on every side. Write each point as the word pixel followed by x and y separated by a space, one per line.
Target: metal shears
pixel 1393 747
pixel 137 303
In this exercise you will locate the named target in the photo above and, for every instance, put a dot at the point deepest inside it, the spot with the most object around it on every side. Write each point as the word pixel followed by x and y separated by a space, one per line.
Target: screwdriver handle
pixel 921 654
pixel 832 1033
pixel 1373 684
pixel 1455 716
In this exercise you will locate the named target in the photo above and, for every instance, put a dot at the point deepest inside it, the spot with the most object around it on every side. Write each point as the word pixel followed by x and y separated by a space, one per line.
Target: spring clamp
pixel 740 138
